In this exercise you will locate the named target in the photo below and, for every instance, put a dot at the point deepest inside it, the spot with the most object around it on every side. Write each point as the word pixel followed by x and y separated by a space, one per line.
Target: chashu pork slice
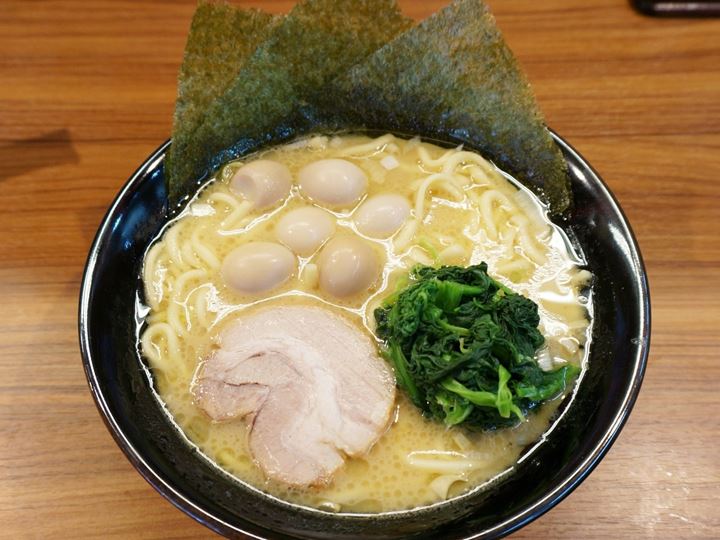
pixel 311 385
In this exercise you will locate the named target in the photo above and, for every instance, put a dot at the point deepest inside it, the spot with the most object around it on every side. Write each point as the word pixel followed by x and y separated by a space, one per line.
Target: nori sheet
pixel 221 39
pixel 271 97
pixel 454 78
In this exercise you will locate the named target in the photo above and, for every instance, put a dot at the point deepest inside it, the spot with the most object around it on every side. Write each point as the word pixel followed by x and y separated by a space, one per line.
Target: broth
pixel 465 211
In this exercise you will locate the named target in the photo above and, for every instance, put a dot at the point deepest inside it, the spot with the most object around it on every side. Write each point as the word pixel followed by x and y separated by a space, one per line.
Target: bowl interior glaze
pixel 124 396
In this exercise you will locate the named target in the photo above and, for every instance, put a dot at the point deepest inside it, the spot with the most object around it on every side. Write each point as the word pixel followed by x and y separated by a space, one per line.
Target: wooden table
pixel 86 93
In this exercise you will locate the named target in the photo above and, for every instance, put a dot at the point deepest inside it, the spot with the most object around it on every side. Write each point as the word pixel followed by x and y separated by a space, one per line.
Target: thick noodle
pixel 463 211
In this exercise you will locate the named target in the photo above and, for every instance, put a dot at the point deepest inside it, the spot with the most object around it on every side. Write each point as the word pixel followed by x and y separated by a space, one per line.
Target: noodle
pixel 153 352
pixel 445 182
pixel 173 315
pixel 171 243
pixel 201 305
pixel 237 209
pixel 486 205
pixel 430 163
pixel 451 254
pixel 375 145
pixel 477 214
pixel 202 250
pixel 465 157
pixel 189 255
pixel 442 484
pixel 152 277
pixel 183 280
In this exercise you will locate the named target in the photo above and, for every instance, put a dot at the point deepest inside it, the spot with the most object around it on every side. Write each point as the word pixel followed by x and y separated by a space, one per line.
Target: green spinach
pixel 463 348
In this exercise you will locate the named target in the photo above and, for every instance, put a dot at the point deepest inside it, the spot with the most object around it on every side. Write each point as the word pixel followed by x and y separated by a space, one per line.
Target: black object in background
pixel 678 8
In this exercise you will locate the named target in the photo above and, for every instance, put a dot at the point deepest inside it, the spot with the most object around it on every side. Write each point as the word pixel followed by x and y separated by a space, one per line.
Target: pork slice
pixel 311 385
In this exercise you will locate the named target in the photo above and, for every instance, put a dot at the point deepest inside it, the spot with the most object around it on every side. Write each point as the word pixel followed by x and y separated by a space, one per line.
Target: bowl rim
pixel 512 523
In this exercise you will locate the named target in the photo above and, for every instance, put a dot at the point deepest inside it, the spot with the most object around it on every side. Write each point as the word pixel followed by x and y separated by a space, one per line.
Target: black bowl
pixel 123 391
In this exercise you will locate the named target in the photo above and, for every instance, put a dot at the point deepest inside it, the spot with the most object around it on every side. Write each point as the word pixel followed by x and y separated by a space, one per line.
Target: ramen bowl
pixel 586 428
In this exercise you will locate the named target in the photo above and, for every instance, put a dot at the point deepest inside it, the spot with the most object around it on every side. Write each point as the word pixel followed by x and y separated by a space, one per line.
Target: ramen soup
pixel 259 326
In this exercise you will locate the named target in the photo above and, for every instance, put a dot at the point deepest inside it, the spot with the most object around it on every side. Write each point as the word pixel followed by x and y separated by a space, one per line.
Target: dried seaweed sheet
pixel 221 39
pixel 453 77
pixel 269 99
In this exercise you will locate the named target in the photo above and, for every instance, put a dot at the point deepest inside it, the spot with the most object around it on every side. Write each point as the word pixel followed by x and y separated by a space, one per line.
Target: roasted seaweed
pixel 353 65
pixel 453 78
pixel 221 39
pixel 271 97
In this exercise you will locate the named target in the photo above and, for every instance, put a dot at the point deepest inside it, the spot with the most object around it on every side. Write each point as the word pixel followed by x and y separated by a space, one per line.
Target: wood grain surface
pixel 87 92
